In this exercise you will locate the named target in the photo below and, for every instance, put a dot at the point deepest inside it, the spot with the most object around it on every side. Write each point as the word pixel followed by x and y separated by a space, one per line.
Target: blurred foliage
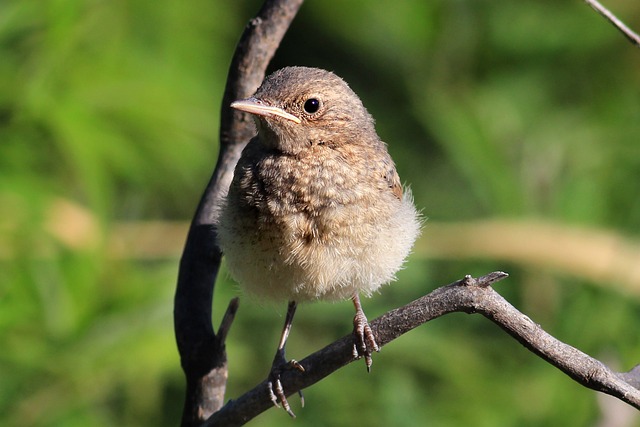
pixel 492 109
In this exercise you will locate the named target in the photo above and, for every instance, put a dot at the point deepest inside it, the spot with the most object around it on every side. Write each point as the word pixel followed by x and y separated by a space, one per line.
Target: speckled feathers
pixel 315 209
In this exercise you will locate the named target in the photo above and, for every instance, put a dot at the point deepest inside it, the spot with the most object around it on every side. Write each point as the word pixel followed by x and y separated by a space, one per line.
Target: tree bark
pixel 202 353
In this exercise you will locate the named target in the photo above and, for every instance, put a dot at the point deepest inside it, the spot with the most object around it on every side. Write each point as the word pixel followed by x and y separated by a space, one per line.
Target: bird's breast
pixel 314 227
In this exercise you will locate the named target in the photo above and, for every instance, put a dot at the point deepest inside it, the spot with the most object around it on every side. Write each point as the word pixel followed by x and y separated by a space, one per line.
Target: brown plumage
pixel 316 209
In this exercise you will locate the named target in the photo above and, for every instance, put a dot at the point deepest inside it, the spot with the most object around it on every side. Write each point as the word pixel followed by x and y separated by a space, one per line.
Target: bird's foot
pixel 276 392
pixel 364 341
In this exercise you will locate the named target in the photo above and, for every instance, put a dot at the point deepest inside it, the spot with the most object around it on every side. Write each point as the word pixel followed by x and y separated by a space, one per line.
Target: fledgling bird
pixel 316 210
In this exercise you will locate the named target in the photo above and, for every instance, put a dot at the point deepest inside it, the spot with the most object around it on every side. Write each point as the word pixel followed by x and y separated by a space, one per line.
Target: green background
pixel 525 114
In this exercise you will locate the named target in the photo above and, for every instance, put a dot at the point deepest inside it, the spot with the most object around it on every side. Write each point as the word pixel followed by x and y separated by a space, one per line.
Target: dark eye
pixel 312 105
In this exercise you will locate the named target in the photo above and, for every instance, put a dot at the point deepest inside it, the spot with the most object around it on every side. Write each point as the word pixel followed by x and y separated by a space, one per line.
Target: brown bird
pixel 316 210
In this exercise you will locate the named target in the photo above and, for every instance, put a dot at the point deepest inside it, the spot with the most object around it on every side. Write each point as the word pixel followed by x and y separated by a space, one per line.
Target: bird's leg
pixel 280 363
pixel 364 341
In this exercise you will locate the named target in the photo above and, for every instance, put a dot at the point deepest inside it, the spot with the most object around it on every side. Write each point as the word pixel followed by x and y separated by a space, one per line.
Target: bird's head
pixel 297 107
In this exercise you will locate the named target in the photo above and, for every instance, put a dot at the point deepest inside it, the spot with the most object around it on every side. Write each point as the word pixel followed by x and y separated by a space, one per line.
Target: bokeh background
pixel 517 125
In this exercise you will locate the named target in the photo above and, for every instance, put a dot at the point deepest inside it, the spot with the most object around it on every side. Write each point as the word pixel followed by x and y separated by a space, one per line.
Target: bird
pixel 316 209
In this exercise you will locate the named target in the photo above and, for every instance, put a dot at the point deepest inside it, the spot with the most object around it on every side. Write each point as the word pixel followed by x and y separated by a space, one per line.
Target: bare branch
pixel 468 295
pixel 227 320
pixel 202 353
pixel 628 33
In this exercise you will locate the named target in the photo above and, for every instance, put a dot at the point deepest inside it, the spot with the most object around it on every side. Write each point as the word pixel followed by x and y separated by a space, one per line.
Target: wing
pixel 393 180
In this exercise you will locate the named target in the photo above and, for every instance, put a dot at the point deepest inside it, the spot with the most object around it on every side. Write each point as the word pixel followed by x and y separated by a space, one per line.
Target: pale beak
pixel 259 108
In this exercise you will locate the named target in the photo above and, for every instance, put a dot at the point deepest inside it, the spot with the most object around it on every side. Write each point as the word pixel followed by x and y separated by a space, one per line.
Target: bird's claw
pixel 276 391
pixel 364 341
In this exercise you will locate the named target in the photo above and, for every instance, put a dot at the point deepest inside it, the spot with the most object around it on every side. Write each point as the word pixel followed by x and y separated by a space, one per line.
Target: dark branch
pixel 202 353
pixel 468 295
pixel 227 320
pixel 626 31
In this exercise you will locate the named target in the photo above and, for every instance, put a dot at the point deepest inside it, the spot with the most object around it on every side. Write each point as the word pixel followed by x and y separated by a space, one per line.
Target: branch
pixel 626 31
pixel 468 295
pixel 202 353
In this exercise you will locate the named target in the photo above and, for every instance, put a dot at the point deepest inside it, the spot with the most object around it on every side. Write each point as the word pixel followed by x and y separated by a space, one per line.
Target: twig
pixel 227 320
pixel 468 295
pixel 202 353
pixel 628 33
pixel 633 376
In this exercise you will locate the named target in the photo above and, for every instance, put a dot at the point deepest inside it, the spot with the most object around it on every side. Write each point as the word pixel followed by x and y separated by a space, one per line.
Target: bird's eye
pixel 312 105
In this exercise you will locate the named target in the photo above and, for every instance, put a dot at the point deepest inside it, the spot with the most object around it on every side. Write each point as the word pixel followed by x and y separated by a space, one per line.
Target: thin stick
pixel 628 33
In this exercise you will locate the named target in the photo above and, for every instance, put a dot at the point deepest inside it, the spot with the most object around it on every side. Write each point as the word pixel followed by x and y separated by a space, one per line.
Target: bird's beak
pixel 259 108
